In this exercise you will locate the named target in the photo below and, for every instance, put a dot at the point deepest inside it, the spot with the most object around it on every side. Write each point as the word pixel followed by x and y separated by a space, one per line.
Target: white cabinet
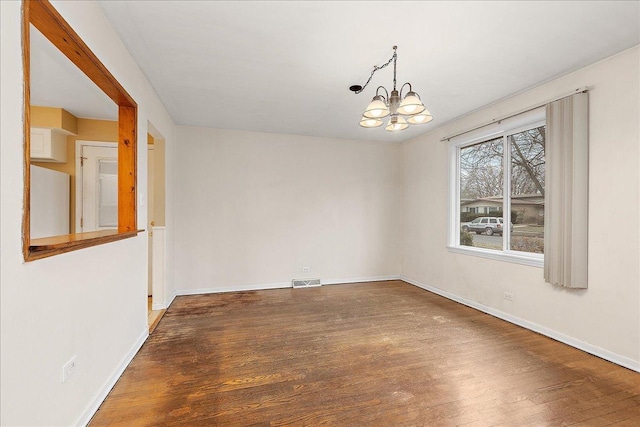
pixel 48 145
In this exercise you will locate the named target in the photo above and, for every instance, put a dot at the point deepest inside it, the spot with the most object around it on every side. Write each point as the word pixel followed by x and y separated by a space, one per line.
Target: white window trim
pixel 531 119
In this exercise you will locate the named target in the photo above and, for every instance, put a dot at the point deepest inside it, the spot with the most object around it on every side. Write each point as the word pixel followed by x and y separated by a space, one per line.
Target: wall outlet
pixel 306 269
pixel 68 369
pixel 508 296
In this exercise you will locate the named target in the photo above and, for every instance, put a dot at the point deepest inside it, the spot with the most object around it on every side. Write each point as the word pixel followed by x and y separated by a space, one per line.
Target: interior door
pixel 99 188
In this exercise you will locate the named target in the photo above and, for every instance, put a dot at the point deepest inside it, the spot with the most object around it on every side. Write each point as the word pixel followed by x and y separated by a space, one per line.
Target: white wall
pixel 257 207
pixel 89 303
pixel 604 317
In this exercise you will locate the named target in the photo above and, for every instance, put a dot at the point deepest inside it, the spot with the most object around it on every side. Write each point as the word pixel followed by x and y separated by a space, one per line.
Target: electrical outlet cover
pixel 68 369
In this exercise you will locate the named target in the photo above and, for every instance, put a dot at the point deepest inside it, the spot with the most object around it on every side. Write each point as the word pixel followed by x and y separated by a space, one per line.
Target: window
pixel 500 168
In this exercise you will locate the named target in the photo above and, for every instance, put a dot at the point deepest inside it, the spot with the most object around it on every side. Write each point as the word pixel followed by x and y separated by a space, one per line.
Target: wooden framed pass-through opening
pixel 44 17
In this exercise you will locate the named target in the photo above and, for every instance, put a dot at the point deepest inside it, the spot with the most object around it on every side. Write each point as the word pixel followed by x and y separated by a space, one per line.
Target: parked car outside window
pixel 489 225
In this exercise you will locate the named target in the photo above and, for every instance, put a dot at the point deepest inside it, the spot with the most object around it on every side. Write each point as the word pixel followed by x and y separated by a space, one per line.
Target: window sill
pixel 516 258
pixel 50 246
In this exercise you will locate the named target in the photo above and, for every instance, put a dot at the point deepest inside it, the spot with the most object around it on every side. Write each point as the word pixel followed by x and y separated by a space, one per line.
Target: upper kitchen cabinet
pixel 48 145
pixel 50 127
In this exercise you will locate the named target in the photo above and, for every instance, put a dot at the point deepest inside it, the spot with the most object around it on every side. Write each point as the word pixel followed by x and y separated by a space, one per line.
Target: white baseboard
pixel 102 395
pixel 359 279
pixel 164 304
pixel 173 296
pixel 280 285
pixel 618 359
pixel 237 288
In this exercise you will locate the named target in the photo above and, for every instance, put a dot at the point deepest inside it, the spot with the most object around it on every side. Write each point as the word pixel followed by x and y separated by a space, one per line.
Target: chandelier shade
pixel 377 109
pixel 395 105
pixel 396 123
pixel 420 119
pixel 367 122
pixel 411 105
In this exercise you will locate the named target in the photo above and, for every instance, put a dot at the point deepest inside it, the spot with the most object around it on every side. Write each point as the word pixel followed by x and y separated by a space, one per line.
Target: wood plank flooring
pixel 368 354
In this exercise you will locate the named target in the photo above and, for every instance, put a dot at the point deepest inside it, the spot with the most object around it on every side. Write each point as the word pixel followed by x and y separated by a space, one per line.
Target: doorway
pixel 156 301
pixel 150 212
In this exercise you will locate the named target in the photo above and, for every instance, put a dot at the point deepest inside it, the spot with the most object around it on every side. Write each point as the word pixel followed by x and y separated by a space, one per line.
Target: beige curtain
pixel 566 192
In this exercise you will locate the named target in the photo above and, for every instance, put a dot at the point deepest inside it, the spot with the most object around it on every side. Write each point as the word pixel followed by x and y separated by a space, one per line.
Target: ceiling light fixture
pixel 395 105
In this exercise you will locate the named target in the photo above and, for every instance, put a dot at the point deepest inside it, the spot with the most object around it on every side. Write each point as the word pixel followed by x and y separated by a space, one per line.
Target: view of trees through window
pixel 482 184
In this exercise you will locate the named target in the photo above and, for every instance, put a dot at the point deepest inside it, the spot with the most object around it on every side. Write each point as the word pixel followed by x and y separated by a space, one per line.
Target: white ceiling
pixel 286 67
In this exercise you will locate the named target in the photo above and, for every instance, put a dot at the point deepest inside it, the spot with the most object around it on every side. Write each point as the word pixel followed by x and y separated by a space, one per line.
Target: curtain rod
pixel 499 119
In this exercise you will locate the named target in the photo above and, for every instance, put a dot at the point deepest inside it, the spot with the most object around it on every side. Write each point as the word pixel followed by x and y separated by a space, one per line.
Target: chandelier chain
pixel 380 67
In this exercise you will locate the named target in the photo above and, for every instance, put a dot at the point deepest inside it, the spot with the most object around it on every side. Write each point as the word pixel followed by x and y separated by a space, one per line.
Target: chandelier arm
pixel 380 67
pixel 385 91
pixel 402 87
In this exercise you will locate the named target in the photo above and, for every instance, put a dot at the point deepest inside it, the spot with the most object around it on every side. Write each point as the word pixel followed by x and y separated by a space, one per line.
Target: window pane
pixel 108 193
pixel 481 183
pixel 527 190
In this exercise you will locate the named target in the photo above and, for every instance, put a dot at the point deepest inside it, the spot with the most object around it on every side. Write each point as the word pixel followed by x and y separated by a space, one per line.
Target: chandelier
pixel 395 106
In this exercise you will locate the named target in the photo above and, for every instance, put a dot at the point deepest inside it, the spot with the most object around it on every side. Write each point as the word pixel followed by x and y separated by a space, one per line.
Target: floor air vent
pixel 305 283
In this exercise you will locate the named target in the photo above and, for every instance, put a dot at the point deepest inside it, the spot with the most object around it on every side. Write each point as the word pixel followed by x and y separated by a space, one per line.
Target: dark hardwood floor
pixel 369 354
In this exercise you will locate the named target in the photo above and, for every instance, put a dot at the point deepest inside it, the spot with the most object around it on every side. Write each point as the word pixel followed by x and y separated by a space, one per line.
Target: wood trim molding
pixel 26 109
pixel 127 119
pixel 52 25
pixel 48 246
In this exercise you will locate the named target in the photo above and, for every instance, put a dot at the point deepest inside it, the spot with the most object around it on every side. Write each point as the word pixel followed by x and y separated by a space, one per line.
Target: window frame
pixel 43 16
pixel 529 120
